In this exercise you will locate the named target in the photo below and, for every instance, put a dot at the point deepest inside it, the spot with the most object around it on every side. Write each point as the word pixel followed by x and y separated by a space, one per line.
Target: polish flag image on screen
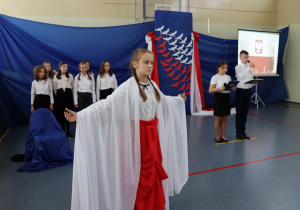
pixel 263 50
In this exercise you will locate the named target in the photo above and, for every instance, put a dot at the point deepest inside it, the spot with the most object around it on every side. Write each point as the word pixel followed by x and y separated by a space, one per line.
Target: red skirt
pixel 150 193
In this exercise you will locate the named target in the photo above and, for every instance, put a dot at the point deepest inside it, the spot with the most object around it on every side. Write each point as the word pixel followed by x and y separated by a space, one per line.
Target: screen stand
pixel 257 99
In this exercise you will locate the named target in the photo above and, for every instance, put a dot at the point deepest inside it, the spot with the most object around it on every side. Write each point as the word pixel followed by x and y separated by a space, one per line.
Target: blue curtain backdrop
pixel 25 44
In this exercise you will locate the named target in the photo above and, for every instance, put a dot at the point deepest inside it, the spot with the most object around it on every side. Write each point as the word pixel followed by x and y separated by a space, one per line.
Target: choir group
pixel 55 90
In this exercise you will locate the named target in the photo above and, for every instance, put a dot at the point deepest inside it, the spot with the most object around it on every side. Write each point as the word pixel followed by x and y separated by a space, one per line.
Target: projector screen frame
pixel 266 31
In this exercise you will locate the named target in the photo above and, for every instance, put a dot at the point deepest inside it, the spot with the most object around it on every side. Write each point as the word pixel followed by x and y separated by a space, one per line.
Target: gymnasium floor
pixel 261 174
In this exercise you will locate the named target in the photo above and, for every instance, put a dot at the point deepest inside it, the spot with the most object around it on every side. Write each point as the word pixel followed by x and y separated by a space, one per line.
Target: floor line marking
pixel 2 137
pixel 200 119
pixel 297 126
pixel 241 164
pixel 238 140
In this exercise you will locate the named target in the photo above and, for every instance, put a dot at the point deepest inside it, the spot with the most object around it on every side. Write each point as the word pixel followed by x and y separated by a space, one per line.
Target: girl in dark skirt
pixel 106 81
pixel 84 88
pixel 63 89
pixel 222 103
pixel 50 72
pixel 41 90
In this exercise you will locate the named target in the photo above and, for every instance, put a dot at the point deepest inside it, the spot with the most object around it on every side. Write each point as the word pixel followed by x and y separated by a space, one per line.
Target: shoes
pixel 224 140
pixel 69 136
pixel 245 135
pixel 218 141
pixel 240 136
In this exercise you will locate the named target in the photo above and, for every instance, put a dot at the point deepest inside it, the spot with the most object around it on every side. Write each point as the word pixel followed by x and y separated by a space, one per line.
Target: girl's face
pixel 107 67
pixel 41 73
pixel 83 69
pixel 64 68
pixel 223 69
pixel 145 65
pixel 48 67
pixel 87 65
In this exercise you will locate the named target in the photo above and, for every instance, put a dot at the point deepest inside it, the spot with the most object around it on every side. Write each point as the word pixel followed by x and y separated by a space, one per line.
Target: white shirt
pixel 62 83
pixel 148 108
pixel 41 87
pixel 219 81
pixel 105 82
pixel 243 73
pixel 51 82
pixel 84 85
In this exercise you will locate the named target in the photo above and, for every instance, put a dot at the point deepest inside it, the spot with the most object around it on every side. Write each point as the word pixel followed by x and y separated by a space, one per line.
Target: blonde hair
pixel 136 56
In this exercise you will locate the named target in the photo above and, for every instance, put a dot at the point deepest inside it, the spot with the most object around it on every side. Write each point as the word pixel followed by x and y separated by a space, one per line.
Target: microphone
pixel 249 62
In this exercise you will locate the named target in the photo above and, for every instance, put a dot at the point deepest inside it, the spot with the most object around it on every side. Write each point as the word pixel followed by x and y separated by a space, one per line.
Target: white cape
pixel 107 150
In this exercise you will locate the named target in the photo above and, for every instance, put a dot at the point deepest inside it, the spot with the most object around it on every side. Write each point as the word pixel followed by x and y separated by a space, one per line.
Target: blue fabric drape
pixel 25 44
pixel 46 143
pixel 213 50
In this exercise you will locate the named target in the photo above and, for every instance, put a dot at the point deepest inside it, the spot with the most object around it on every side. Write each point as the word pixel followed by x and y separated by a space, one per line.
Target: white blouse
pixel 219 81
pixel 62 83
pixel 84 85
pixel 41 87
pixel 148 108
pixel 105 82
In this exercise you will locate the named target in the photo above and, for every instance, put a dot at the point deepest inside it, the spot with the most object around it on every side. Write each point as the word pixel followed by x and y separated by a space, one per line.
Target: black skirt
pixel 222 104
pixel 84 100
pixel 105 93
pixel 41 101
pixel 64 99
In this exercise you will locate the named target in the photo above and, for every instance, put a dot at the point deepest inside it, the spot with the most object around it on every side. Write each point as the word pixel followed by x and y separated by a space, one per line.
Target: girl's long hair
pixel 50 74
pixel 102 69
pixel 59 71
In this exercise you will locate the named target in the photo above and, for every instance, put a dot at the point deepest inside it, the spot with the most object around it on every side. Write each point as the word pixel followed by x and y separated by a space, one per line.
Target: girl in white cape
pixel 131 148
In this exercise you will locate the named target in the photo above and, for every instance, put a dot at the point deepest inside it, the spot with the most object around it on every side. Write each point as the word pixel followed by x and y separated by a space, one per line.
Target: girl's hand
pixel 32 109
pixel 233 88
pixel 76 105
pixel 222 88
pixel 183 96
pixel 70 115
pixel 54 71
pixel 51 107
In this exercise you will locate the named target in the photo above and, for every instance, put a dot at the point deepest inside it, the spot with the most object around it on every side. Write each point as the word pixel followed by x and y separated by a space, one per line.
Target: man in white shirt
pixel 243 73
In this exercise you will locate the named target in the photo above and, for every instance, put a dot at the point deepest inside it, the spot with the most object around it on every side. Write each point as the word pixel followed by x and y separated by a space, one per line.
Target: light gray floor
pixel 270 184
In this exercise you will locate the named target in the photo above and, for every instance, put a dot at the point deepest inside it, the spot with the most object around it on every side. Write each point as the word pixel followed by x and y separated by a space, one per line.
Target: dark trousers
pixel 242 102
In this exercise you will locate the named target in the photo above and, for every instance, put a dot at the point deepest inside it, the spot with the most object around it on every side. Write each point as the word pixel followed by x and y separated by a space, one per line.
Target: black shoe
pixel 245 135
pixel 69 136
pixel 239 136
pixel 224 140
pixel 218 141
